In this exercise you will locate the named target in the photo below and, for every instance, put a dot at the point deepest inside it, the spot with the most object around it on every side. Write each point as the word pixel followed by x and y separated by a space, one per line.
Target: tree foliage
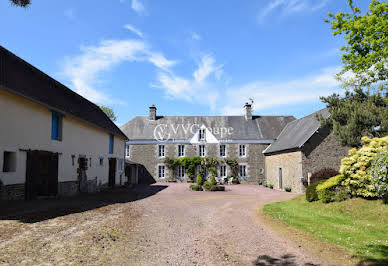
pixel 109 112
pixel 22 3
pixel 358 113
pixel 366 35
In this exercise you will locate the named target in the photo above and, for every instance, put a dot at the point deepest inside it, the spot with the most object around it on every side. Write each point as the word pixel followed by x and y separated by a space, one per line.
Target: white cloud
pixel 273 94
pixel 138 7
pixel 201 88
pixel 207 67
pixel 288 7
pixel 83 71
pixel 134 30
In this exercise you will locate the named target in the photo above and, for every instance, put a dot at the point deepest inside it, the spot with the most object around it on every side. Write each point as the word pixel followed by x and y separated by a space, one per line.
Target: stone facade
pixel 290 164
pixel 322 150
pixel 147 155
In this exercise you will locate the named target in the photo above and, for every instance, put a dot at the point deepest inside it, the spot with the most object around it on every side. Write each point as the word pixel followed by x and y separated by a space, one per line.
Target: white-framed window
pixel 242 170
pixel 181 150
pixel 161 171
pixel 242 150
pixel 161 151
pixel 201 151
pixel 9 161
pixel 127 150
pixel 201 135
pixel 222 150
pixel 181 171
pixel 223 170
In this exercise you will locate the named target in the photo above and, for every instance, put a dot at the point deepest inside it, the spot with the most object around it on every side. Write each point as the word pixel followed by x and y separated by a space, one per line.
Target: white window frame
pixel 242 150
pixel 204 150
pixel 240 173
pixel 225 174
pixel 181 150
pixel 161 171
pixel 181 171
pixel 161 151
pixel 202 134
pixel 127 150
pixel 222 145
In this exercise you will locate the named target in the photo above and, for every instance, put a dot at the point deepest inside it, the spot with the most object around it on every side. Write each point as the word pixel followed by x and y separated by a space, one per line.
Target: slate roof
pixel 19 77
pixel 297 133
pixel 259 128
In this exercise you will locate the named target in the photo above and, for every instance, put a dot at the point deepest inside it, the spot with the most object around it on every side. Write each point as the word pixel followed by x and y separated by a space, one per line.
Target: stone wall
pixel 291 165
pixel 147 155
pixel 322 150
pixel 12 192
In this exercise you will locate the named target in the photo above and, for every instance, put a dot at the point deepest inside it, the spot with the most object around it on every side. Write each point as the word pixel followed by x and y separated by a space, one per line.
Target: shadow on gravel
pixel 382 250
pixel 40 210
pixel 285 260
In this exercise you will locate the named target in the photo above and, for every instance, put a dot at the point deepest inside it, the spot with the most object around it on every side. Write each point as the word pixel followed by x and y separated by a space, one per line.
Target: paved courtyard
pixel 162 224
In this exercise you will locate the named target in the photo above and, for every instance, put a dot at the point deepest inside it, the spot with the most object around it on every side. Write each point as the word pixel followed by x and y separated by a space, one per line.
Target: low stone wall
pixel 68 188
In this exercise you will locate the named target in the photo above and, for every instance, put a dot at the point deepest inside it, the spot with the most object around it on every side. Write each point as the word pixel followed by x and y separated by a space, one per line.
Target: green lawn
pixel 359 225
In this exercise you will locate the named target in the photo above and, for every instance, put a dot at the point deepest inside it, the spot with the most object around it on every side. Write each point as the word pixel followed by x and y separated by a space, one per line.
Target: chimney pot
pixel 248 111
pixel 152 114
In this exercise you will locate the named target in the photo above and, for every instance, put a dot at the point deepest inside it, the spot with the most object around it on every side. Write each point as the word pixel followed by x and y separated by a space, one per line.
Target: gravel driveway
pixel 164 224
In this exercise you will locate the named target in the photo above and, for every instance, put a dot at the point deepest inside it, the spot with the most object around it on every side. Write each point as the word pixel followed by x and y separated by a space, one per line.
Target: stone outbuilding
pixel 52 140
pixel 302 148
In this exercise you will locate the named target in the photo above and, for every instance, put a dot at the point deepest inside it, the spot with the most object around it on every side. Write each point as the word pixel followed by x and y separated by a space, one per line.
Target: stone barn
pixel 302 148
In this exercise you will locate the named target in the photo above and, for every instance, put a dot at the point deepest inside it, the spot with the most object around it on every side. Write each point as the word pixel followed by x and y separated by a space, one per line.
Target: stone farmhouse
pixel 52 140
pixel 301 149
pixel 153 138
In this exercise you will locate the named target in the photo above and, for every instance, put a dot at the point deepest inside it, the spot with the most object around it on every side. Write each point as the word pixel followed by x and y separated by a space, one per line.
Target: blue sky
pixel 187 57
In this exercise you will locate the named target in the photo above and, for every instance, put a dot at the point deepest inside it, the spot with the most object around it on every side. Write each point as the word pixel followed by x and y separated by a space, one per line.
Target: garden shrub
pixel 325 190
pixel 195 187
pixel 341 194
pixel 288 189
pixel 311 191
pixel 235 180
pixel 217 188
pixel 357 167
pixel 206 185
pixel 213 181
pixel 199 180
pixel 270 186
pixel 323 174
pixel 379 175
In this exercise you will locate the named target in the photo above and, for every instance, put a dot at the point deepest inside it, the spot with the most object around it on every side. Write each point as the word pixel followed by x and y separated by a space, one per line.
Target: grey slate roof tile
pixel 297 132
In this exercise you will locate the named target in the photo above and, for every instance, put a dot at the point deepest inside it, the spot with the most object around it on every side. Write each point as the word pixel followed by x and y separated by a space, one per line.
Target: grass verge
pixel 358 225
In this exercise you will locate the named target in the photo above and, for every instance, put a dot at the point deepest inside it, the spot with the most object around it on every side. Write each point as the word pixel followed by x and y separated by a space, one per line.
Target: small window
pixel 90 162
pixel 181 150
pixel 72 160
pixel 181 171
pixel 201 135
pixel 9 162
pixel 127 151
pixel 101 161
pixel 161 151
pixel 222 170
pixel 243 171
pixel 111 143
pixel 201 150
pixel 242 150
pixel 161 171
pixel 56 126
pixel 222 150
pixel 262 171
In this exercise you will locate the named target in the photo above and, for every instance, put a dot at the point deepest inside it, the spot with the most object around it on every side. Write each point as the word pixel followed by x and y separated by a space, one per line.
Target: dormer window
pixel 201 135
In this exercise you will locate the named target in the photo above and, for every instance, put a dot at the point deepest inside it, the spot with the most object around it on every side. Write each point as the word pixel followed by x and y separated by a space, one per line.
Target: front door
pixel 112 172
pixel 280 178
pixel 41 174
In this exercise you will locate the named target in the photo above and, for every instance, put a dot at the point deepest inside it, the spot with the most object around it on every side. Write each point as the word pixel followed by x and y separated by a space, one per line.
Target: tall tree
pixel 366 35
pixel 363 110
pixel 22 3
pixel 109 112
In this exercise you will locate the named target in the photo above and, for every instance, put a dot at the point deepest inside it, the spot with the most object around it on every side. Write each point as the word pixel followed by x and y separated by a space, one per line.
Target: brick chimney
pixel 248 111
pixel 152 115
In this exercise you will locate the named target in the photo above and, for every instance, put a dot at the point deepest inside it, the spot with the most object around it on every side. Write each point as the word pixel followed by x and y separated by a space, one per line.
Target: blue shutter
pixel 54 126
pixel 111 143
